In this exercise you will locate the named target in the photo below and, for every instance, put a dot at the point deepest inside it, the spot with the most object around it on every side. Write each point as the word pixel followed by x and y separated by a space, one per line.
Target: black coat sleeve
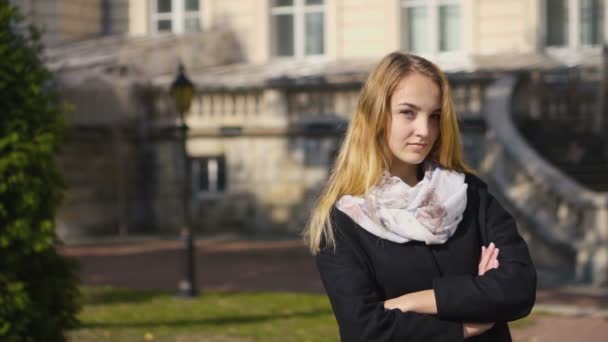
pixel 500 295
pixel 358 306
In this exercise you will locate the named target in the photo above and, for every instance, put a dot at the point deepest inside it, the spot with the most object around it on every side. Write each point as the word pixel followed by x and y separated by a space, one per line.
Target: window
pixel 209 175
pixel 430 26
pixel 297 28
pixel 177 16
pixel 574 23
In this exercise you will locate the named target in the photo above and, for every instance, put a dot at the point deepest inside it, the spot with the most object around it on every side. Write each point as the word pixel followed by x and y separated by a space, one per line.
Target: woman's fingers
pixel 480 268
pixel 489 259
pixel 494 259
pixel 485 258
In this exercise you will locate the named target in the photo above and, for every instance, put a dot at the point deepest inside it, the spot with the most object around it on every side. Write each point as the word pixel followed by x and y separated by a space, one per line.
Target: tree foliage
pixel 38 287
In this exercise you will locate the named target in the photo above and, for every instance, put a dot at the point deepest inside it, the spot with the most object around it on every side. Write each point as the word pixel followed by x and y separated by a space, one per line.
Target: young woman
pixel 399 231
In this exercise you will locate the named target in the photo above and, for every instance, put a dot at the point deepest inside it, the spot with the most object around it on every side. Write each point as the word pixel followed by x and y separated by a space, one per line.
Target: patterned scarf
pixel 429 211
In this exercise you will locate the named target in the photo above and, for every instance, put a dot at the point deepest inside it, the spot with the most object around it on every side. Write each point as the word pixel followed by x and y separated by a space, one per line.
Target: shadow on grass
pixel 112 295
pixel 107 295
pixel 218 321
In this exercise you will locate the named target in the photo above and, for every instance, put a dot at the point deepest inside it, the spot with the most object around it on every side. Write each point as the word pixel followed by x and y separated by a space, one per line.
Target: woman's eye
pixel 435 116
pixel 407 112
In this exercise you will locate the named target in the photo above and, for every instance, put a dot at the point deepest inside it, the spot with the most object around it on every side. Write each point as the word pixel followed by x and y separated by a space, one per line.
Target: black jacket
pixel 364 270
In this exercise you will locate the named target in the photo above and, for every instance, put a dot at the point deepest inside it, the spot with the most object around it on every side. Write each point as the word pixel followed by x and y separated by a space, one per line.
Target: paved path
pixel 285 265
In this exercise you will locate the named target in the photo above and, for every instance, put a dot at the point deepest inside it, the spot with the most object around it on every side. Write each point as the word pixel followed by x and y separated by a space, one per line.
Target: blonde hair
pixel 365 154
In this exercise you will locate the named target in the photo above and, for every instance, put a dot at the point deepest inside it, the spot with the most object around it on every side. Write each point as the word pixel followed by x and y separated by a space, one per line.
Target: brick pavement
pixel 285 265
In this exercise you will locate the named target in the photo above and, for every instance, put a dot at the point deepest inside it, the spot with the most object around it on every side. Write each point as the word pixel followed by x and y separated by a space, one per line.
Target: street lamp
pixel 182 91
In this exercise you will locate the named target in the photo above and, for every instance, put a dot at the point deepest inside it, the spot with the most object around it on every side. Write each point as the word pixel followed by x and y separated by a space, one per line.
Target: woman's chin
pixel 412 160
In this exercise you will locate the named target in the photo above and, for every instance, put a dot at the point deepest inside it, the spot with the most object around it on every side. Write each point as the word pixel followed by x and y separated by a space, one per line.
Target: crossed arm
pixel 358 304
pixel 502 293
pixel 424 302
pixel 496 294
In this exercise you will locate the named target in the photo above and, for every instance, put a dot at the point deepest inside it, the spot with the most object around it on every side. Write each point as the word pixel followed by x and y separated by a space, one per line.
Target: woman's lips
pixel 417 147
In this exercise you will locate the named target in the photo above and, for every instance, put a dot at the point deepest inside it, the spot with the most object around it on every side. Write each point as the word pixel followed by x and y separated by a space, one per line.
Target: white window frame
pixel 432 7
pixel 298 10
pixel 178 16
pixel 213 173
pixel 573 29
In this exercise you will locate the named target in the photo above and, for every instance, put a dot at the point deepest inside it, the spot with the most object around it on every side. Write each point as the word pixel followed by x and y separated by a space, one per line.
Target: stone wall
pixel 94 171
pixel 119 184
pixel 271 182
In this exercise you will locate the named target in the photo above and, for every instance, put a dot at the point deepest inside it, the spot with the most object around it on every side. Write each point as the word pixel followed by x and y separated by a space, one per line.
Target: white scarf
pixel 429 211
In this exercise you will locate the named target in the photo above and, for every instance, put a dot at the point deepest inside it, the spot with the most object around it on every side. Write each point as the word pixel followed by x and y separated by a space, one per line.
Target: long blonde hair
pixel 365 154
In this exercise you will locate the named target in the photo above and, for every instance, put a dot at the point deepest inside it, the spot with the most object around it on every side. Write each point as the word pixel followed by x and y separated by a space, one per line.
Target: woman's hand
pixel 489 259
pixel 474 329
pixel 421 302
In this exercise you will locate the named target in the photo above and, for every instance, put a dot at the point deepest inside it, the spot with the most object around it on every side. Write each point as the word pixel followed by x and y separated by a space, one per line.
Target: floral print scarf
pixel 429 211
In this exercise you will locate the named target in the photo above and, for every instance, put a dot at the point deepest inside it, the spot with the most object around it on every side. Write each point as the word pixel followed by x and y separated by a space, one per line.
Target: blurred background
pixel 274 85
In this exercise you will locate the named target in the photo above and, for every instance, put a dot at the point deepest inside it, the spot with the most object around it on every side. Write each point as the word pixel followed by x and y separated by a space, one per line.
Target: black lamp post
pixel 182 91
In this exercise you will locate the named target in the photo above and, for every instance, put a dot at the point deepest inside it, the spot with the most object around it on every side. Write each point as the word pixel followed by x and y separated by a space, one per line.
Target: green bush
pixel 38 287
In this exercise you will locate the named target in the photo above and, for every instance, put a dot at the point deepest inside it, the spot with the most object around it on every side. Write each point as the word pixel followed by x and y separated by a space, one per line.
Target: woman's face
pixel 414 126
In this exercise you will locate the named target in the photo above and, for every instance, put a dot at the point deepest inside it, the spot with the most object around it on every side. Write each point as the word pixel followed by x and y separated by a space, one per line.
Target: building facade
pixel 265 128
pixel 447 31
pixel 338 29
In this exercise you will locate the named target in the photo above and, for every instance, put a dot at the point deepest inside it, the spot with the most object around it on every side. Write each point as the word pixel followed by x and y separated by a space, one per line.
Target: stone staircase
pixel 583 157
pixel 564 221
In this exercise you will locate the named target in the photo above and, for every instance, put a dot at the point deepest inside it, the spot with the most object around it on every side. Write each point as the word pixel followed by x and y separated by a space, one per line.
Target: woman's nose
pixel 422 126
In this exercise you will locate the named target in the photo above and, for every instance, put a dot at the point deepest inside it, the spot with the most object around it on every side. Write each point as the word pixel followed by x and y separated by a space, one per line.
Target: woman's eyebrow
pixel 415 107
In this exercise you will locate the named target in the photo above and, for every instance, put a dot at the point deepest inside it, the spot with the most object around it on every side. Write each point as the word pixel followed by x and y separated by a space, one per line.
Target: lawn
pixel 111 314
pixel 125 315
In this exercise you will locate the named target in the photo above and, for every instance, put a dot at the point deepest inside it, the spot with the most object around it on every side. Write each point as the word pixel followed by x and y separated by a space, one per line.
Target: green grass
pixel 126 315
pixel 111 314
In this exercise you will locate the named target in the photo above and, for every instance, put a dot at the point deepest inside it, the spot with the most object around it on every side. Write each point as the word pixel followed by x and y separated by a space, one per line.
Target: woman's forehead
pixel 416 90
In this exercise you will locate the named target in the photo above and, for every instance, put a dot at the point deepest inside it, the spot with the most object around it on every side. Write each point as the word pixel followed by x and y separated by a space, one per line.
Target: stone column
pixel 274 108
pixel 601 117
pixel 598 117
pixel 600 253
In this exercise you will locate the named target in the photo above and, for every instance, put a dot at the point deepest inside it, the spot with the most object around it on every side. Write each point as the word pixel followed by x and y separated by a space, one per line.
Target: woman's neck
pixel 407 172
